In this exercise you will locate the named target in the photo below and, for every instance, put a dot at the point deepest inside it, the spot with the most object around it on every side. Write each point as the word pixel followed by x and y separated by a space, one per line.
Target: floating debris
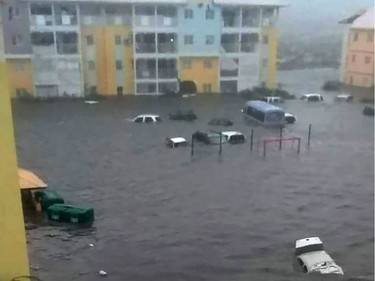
pixel 102 273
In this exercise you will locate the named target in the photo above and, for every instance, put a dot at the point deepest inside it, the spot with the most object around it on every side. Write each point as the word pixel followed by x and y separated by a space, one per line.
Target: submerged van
pixel 264 113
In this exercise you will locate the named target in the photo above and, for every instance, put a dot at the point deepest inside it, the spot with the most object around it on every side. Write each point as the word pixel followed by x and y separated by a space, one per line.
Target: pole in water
pixel 251 139
pixel 281 136
pixel 309 136
pixel 264 148
pixel 221 146
pixel 299 145
pixel 192 145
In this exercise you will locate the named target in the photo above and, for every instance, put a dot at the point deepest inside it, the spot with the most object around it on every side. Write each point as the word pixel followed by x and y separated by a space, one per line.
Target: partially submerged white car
pixel 233 137
pixel 310 257
pixel 312 97
pixel 289 118
pixel 147 118
pixel 176 142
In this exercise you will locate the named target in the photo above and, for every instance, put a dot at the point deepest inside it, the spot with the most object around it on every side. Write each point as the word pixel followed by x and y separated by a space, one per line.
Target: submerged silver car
pixel 310 257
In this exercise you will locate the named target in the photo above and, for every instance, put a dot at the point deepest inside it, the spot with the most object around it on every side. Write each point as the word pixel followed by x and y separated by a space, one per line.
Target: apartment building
pixel 74 48
pixel 357 65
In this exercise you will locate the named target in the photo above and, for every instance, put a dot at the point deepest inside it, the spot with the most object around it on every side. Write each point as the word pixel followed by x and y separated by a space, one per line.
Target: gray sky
pixel 318 16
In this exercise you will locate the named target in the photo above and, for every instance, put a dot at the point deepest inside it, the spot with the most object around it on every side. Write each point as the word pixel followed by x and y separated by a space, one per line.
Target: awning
pixel 28 180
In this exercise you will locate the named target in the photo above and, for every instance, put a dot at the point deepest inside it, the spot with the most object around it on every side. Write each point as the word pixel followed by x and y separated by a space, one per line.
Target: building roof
pixel 361 19
pixel 366 20
pixel 279 3
pixel 263 106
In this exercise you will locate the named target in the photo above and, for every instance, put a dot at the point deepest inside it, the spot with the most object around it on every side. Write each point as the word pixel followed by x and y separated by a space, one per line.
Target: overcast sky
pixel 318 15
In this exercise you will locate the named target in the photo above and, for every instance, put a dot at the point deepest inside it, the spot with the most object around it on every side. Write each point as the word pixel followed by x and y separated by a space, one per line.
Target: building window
pixel 355 37
pixel 210 39
pixel 189 13
pixel 187 63
pixel 118 64
pixel 367 60
pixel 120 90
pixel 207 64
pixel 188 39
pixel 17 40
pixel 42 38
pixel 210 13
pixel 91 65
pixel 353 58
pixel 89 40
pixel 370 36
pixel 207 88
pixel 265 39
pixel 118 40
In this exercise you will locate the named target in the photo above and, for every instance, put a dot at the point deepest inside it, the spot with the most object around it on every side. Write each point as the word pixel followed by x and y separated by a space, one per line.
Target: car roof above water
pixel 263 106
pixel 148 115
pixel 308 241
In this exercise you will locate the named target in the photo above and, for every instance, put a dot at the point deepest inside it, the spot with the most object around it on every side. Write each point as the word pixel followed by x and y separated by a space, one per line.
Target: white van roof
pixel 308 241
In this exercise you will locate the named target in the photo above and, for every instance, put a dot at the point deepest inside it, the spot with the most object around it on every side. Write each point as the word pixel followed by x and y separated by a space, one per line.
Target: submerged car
pixel 233 137
pixel 179 115
pixel 368 111
pixel 274 100
pixel 344 97
pixel 310 257
pixel 289 118
pixel 209 138
pixel 147 118
pixel 176 142
pixel 312 97
pixel 220 122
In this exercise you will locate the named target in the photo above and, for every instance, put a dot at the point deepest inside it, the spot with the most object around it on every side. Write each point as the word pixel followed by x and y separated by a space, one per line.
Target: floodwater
pixel 162 215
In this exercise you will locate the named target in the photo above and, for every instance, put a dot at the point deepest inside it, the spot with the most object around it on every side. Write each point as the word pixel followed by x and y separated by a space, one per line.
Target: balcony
pixel 43 43
pixel 249 42
pixel 167 43
pixel 269 17
pixel 118 15
pixel 146 69
pixel 144 16
pixel 167 87
pixel 41 14
pixel 250 17
pixel 41 20
pixel 229 67
pixel 145 43
pixel 167 69
pixel 65 14
pixel 67 43
pixel 230 43
pixel 231 17
pixel 146 88
pixel 166 16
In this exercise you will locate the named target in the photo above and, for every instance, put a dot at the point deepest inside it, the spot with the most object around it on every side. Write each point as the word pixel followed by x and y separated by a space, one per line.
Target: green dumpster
pixel 48 198
pixel 70 214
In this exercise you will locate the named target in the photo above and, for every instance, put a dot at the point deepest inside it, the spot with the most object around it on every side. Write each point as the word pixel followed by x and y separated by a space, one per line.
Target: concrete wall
pixel 16 24
pixel 199 73
pixel 359 64
pixel 199 27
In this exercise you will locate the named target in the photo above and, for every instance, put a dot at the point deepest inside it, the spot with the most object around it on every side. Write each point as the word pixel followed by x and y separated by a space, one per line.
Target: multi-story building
pixel 118 47
pixel 357 63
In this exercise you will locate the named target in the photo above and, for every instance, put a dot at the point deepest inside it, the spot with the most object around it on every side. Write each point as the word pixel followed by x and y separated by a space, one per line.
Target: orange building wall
pixel 359 65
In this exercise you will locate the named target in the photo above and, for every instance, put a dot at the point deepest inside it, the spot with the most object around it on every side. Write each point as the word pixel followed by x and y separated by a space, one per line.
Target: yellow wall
pixel 359 61
pixel 271 81
pixel 13 250
pixel 199 74
pixel 104 40
pixel 20 75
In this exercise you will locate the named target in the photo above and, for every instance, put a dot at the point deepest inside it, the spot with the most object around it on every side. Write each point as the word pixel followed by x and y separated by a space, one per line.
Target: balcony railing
pixel 41 20
pixel 230 47
pixel 248 47
pixel 228 73
pixel 67 48
pixel 162 21
pixel 167 73
pixel 144 48
pixel 66 20
pixel 146 73
pixel 167 48
pixel 145 21
pixel 44 50
pixel 250 22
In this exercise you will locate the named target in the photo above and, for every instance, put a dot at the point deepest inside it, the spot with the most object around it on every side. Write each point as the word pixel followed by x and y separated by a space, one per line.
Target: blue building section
pixel 200 29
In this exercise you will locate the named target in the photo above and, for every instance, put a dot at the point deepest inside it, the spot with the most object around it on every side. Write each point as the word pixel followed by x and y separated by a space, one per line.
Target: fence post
pixel 299 145
pixel 221 146
pixel 251 139
pixel 309 136
pixel 264 148
pixel 281 136
pixel 192 145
